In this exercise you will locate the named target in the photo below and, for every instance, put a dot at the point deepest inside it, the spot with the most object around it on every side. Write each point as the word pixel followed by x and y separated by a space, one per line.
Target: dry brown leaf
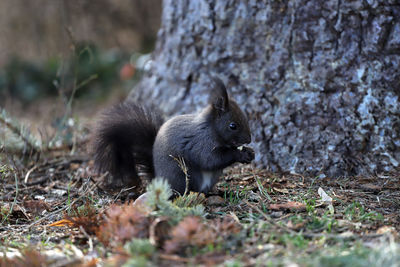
pixel 211 259
pixel 35 206
pixel 371 187
pixel 63 222
pixel 296 226
pixel 386 229
pixel 74 166
pixel 215 201
pixel 283 190
pixel 291 205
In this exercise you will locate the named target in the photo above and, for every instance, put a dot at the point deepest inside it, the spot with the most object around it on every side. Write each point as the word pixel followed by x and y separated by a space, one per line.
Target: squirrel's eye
pixel 233 126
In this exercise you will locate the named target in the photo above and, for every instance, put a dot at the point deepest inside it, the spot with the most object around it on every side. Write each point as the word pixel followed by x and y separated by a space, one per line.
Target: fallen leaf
pixel 254 197
pixel 371 187
pixel 283 190
pixel 74 166
pixel 296 226
pixel 59 192
pixel 36 206
pixel 386 229
pixel 141 202
pixel 291 205
pixel 325 197
pixel 215 200
pixel 63 222
pixel 234 217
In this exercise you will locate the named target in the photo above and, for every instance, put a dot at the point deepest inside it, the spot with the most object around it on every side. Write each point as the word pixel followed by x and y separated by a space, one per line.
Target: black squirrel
pixel 129 135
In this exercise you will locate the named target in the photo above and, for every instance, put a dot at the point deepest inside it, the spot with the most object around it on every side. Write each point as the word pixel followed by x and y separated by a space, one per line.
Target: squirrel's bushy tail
pixel 124 138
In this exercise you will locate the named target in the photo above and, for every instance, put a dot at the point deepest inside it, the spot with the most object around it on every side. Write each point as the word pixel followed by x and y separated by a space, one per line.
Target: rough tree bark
pixel 319 79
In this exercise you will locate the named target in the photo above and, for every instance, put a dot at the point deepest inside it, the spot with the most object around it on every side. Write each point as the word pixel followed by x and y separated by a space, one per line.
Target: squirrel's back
pixel 183 133
pixel 177 140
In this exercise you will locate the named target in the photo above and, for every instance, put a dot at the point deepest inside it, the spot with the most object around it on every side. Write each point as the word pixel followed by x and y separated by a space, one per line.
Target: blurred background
pixel 65 57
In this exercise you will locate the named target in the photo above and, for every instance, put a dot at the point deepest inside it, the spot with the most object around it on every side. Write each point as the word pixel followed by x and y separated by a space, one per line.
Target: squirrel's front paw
pixel 246 155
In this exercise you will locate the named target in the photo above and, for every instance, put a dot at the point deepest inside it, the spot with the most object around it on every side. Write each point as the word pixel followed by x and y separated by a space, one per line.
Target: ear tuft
pixel 218 96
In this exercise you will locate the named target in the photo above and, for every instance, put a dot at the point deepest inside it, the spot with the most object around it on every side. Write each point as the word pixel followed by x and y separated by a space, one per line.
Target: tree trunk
pixel 319 79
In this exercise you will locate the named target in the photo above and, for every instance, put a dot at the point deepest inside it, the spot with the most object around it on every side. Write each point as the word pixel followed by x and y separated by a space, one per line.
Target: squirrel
pixel 205 143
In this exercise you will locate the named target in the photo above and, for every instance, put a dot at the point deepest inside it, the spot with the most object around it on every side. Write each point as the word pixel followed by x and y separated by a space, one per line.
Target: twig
pixel 29 173
pixel 153 227
pixel 174 258
pixel 121 191
pixel 182 165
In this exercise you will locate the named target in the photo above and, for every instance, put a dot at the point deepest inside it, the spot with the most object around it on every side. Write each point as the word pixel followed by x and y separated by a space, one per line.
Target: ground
pixel 55 210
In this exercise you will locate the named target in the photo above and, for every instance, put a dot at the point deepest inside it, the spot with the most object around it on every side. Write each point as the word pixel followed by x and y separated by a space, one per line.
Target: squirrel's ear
pixel 219 97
